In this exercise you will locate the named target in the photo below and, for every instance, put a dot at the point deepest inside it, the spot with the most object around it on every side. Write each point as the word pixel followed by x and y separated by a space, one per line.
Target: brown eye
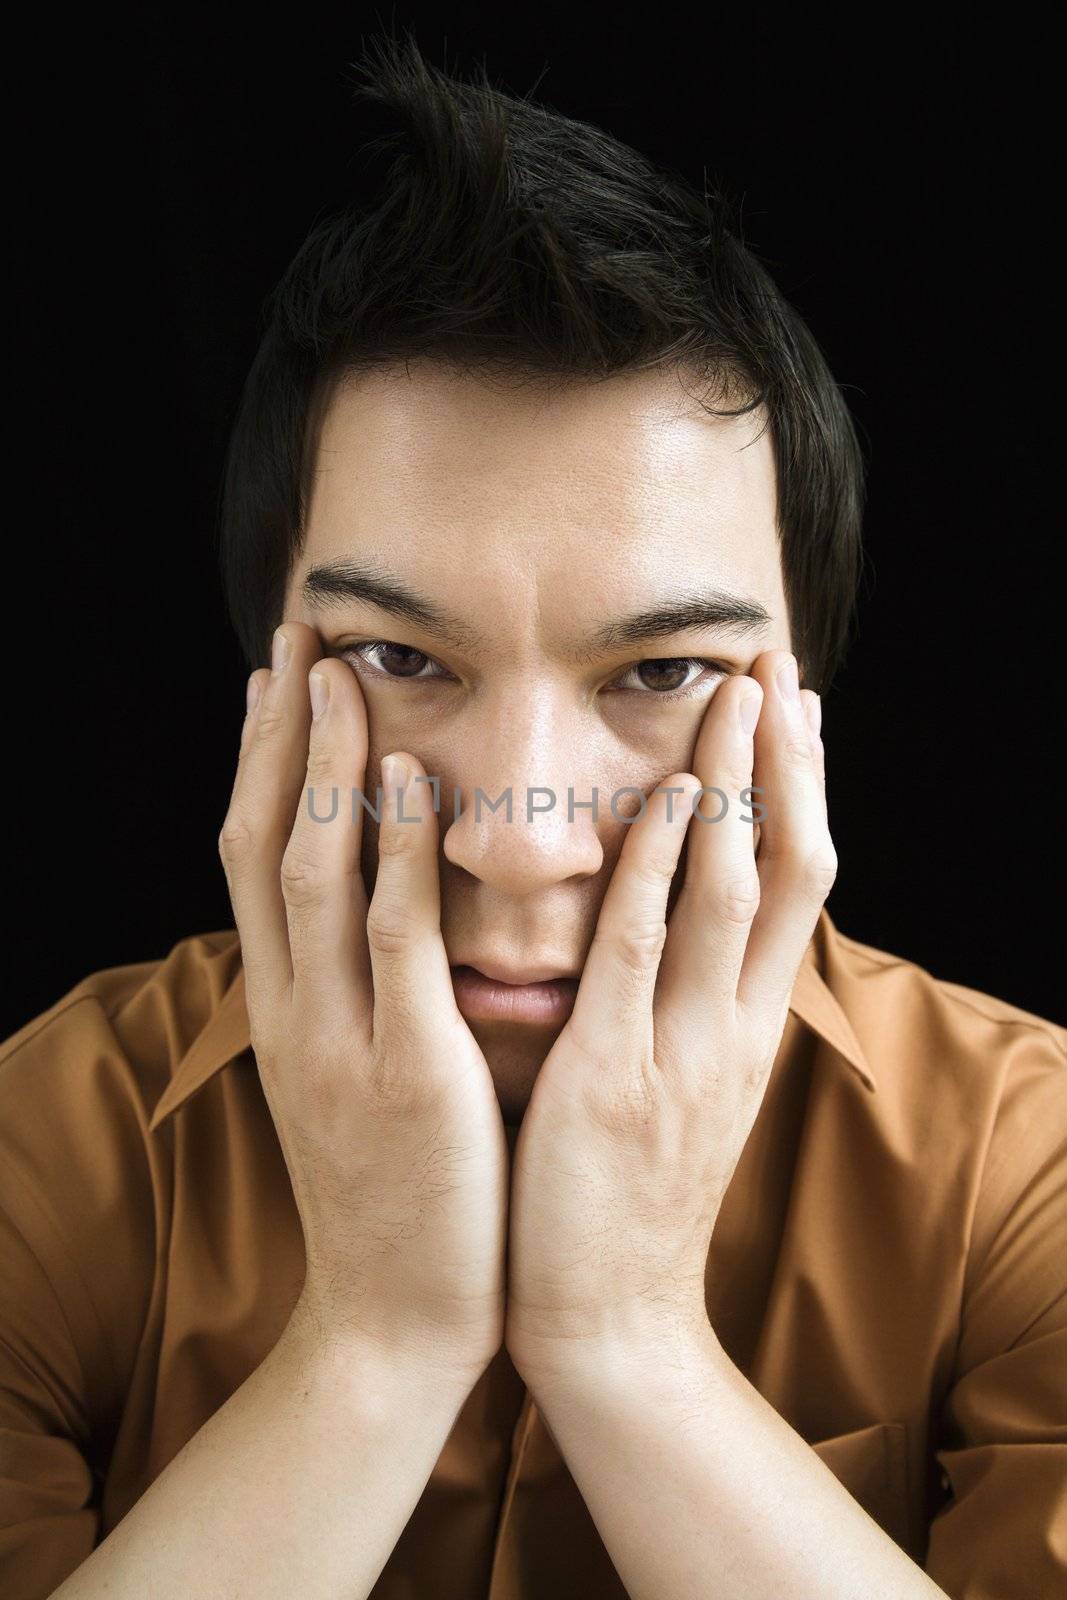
pixel 670 677
pixel 401 661
pixel 384 659
pixel 663 675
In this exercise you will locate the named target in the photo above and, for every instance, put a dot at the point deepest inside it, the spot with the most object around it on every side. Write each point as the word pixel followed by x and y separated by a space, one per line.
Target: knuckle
pixel 270 720
pixel 798 746
pixel 735 781
pixel 820 870
pixel 739 900
pixel 624 1110
pixel 638 946
pixel 236 839
pixel 320 762
pixel 389 930
pixel 655 873
pixel 399 842
pixel 302 878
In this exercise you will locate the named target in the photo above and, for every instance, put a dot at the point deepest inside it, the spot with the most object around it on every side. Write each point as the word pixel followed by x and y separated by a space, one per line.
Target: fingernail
pixel 395 773
pixel 750 709
pixel 788 685
pixel 252 694
pixel 320 695
pixel 279 654
pixel 813 712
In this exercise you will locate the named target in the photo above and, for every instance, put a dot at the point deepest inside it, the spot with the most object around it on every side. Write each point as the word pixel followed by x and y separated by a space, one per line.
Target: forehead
pixel 615 484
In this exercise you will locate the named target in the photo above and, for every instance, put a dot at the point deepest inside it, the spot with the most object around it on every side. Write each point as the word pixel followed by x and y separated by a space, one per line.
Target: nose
pixel 525 821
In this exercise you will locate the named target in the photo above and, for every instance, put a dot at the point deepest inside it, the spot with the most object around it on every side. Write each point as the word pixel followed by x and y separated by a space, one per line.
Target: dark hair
pixel 507 238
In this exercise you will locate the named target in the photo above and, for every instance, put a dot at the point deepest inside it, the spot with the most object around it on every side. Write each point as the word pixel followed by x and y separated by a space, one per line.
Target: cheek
pixel 663 736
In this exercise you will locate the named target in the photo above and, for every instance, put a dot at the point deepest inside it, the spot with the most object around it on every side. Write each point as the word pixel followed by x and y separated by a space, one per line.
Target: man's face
pixel 530 520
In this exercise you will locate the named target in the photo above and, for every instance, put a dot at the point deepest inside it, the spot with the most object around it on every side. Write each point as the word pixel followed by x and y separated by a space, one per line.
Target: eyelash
pixel 360 652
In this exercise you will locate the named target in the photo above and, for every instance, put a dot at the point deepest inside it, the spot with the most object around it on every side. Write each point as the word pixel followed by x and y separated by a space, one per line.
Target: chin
pixel 514 1057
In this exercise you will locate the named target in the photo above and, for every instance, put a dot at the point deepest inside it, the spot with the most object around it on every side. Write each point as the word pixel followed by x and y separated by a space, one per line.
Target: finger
pixel 322 883
pixel 709 928
pixel 266 791
pixel 412 981
pixel 797 861
pixel 615 993
pixel 256 684
pixel 812 704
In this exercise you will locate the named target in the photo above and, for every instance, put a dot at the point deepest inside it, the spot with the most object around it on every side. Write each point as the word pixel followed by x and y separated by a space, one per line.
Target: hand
pixel 643 1106
pixel 384 1105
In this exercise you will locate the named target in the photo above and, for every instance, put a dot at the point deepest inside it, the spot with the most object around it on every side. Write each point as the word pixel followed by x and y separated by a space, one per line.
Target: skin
pixel 533 517
pixel 550 514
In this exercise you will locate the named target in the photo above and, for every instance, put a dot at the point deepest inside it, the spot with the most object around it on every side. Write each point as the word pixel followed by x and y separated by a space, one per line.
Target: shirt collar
pixel 813 999
pixel 226 1034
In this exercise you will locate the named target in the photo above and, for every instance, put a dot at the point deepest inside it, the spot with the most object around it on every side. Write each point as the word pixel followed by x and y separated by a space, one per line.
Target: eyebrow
pixel 708 608
pixel 335 583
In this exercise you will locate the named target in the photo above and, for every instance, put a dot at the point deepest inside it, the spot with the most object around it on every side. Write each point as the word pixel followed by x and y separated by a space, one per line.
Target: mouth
pixel 536 1001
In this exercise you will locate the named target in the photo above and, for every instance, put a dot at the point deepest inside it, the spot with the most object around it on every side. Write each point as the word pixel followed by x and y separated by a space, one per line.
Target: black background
pixel 899 184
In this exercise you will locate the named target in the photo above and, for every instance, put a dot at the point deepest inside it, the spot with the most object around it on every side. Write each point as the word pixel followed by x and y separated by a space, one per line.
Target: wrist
pixel 358 1360
pixel 655 1361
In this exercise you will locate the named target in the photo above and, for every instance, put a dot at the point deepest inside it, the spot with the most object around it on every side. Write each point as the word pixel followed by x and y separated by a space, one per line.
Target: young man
pixel 535 1194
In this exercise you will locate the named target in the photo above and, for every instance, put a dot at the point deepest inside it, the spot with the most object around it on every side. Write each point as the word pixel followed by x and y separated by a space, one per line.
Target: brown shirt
pixel 889 1269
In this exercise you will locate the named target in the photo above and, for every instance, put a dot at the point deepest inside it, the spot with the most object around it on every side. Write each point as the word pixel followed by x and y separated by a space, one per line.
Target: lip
pixel 544 999
pixel 500 972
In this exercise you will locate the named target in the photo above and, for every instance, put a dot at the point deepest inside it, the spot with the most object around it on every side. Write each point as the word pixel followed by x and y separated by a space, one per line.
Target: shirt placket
pixel 504 1578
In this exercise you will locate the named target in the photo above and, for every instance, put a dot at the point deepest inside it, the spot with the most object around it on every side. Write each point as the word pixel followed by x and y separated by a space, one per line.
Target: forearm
pixel 699 1488
pixel 300 1484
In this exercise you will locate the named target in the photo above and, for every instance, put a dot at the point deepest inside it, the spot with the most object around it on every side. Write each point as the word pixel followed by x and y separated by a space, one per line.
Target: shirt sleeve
pixel 48 1520
pixel 76 1252
pixel 1003 1533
